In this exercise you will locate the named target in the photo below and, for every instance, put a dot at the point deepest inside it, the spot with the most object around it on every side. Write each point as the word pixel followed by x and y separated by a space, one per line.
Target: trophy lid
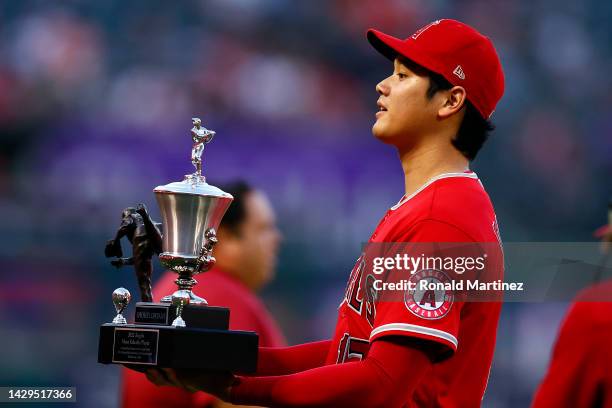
pixel 191 186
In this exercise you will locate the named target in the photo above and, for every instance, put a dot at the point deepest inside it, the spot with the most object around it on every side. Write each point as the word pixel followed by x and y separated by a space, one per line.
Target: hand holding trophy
pixel 181 331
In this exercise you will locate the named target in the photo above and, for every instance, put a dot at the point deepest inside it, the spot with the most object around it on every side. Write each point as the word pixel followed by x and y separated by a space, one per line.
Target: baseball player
pixel 434 108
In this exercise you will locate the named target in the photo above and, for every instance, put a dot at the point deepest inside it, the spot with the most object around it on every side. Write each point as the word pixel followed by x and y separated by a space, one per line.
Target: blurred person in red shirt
pixel 246 259
pixel 579 373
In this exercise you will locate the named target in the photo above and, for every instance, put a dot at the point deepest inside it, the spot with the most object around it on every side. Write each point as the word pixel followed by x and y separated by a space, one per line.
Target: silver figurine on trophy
pixel 201 137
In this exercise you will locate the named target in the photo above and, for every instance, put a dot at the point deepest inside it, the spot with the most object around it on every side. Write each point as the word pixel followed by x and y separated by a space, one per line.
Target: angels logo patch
pixel 431 296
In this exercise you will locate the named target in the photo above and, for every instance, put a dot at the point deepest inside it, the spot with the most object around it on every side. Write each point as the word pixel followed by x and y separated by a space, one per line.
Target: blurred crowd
pixel 96 101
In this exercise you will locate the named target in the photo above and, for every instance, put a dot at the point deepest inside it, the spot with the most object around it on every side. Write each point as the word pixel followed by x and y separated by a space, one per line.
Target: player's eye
pixel 401 75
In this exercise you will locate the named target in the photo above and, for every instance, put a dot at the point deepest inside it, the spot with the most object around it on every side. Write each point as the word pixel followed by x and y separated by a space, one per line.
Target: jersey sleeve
pixel 390 372
pixel 289 360
pixel 430 315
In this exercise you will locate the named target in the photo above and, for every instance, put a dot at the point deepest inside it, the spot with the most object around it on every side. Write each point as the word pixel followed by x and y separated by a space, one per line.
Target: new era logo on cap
pixel 459 72
pixel 438 47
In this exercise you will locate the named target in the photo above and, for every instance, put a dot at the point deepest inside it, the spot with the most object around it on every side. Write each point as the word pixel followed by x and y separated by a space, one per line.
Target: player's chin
pixel 380 132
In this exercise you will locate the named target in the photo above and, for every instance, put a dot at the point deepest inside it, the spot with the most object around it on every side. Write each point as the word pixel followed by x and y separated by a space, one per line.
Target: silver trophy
pixel 182 331
pixel 191 212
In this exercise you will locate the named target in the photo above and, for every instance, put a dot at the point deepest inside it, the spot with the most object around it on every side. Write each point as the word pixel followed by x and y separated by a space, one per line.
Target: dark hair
pixel 236 213
pixel 474 129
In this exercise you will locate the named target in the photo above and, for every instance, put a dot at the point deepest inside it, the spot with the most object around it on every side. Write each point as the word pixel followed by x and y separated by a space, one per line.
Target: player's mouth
pixel 381 109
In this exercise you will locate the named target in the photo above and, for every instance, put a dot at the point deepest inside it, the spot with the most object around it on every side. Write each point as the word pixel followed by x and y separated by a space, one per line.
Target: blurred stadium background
pixel 96 99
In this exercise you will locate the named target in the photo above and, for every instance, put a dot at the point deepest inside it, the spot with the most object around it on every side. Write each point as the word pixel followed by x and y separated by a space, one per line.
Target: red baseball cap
pixel 458 52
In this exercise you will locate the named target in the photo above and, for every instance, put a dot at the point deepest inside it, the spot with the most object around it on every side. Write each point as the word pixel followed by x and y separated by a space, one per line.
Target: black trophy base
pixel 205 343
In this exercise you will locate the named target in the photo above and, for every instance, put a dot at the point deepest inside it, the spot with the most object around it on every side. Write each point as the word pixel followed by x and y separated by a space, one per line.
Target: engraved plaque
pixel 136 346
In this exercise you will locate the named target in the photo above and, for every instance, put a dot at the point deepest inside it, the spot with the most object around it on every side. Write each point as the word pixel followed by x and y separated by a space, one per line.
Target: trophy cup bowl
pixel 191 212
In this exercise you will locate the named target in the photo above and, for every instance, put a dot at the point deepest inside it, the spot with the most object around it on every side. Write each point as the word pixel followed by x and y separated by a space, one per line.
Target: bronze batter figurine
pixel 146 240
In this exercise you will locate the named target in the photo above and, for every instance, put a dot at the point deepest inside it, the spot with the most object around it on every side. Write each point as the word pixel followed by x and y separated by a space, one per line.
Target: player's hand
pixel 212 382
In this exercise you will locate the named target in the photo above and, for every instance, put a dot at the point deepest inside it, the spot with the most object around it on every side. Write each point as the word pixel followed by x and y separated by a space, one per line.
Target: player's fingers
pixel 155 377
pixel 172 377
pixel 186 379
pixel 190 388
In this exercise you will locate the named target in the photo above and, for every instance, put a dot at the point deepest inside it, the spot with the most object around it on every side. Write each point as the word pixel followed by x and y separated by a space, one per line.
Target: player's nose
pixel 382 88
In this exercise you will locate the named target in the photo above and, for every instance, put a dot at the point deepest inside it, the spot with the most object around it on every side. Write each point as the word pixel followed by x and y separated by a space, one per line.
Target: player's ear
pixel 453 102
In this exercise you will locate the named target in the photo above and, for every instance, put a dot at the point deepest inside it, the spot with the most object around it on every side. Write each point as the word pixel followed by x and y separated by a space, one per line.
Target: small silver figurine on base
pixel 121 298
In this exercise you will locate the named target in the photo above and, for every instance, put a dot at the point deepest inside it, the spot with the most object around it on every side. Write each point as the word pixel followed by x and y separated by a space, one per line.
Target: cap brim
pixel 387 45
pixel 392 47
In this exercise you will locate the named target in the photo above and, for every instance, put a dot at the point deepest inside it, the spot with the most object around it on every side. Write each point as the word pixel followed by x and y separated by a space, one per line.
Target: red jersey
pixel 579 372
pixel 451 207
pixel 247 313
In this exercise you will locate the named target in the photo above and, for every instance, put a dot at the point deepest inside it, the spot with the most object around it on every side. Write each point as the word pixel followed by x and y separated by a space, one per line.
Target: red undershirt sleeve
pixel 386 377
pixel 289 360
